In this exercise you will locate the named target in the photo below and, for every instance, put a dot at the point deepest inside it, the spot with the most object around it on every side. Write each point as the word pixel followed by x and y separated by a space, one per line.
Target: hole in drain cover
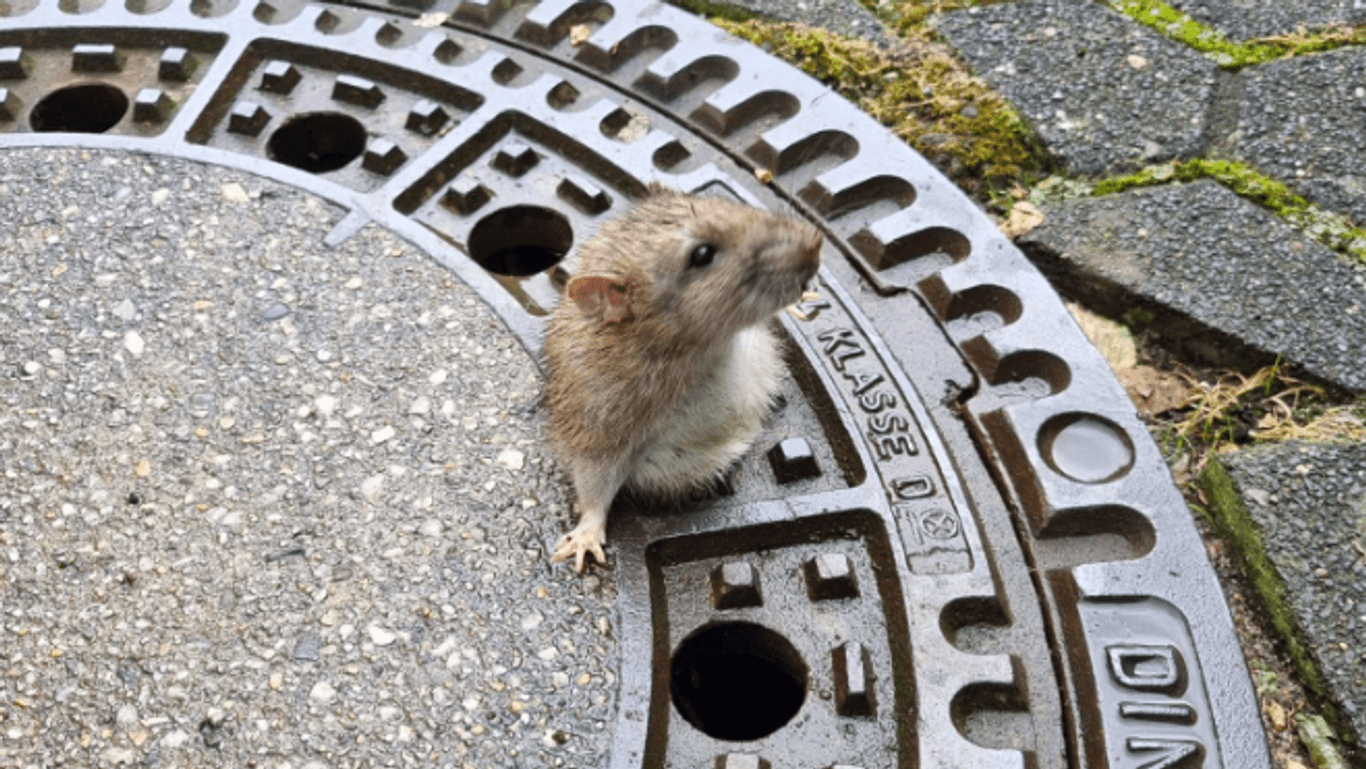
pixel 317 142
pixel 520 240
pixel 737 681
pixel 92 108
pixel 1086 448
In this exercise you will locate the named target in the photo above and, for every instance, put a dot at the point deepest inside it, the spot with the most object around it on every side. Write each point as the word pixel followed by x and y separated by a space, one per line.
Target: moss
pixel 1178 26
pixel 908 15
pixel 1235 523
pixel 921 93
pixel 1332 230
pixel 716 11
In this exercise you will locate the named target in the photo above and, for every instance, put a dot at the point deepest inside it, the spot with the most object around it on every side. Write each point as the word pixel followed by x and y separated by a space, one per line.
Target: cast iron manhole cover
pixel 958 546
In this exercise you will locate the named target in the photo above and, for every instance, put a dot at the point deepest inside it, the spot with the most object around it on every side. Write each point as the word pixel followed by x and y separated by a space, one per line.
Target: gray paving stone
pixel 1216 268
pixel 1243 19
pixel 1303 120
pixel 228 540
pixel 1309 500
pixel 1103 92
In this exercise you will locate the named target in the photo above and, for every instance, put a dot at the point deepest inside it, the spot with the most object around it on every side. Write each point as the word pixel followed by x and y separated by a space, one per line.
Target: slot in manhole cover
pixel 954 546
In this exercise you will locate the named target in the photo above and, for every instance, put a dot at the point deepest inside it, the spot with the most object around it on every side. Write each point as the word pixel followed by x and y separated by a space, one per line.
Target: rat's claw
pixel 582 540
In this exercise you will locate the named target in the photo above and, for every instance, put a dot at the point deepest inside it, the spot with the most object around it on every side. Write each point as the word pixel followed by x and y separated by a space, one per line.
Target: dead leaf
pixel 430 20
pixel 579 34
pixel 1276 713
pixel 1023 218
pixel 143 469
pixel 1113 340
pixel 1153 390
pixel 636 129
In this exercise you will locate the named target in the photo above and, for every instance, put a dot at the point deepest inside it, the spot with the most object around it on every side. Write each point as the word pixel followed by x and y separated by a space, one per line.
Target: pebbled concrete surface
pixel 1240 20
pixel 1309 500
pixel 262 502
pixel 1199 252
pixel 1303 120
pixel 1103 93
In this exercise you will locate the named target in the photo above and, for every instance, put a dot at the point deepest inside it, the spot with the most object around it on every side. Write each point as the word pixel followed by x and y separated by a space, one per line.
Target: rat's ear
pixel 658 188
pixel 599 296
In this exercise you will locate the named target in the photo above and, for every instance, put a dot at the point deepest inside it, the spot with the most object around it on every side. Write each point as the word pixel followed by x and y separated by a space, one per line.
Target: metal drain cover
pixel 955 547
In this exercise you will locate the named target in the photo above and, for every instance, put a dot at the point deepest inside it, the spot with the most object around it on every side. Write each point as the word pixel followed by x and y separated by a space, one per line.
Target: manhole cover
pixel 956 545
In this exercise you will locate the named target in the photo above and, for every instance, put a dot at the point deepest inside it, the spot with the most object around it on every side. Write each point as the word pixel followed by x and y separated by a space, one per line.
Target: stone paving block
pixel 1103 92
pixel 1210 263
pixel 1308 501
pixel 1304 120
pixel 1240 20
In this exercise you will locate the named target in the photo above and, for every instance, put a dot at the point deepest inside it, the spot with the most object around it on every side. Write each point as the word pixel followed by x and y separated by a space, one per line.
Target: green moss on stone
pixel 921 93
pixel 1332 230
pixel 1182 28
pixel 715 11
pixel 1234 522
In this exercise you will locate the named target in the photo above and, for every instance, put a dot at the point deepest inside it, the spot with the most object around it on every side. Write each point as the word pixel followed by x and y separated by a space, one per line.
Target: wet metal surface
pixel 954 546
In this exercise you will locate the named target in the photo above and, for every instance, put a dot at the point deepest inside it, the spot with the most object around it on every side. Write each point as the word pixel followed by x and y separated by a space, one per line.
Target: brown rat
pixel 661 366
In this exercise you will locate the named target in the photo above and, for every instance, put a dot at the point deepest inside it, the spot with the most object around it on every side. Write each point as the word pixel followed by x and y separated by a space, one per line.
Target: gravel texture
pixel 1103 93
pixel 1304 120
pixel 1240 19
pixel 264 503
pixel 1199 252
pixel 1309 500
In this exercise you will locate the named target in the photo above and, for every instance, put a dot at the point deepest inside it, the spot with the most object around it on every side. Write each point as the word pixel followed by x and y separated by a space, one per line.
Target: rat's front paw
pixel 585 538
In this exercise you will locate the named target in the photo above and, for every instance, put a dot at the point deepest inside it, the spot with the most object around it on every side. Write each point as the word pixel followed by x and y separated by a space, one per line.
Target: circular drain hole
pixel 737 681
pixel 88 109
pixel 317 142
pixel 1086 448
pixel 520 240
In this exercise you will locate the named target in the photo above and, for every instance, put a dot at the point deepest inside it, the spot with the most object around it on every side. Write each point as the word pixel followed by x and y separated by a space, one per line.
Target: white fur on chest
pixel 716 422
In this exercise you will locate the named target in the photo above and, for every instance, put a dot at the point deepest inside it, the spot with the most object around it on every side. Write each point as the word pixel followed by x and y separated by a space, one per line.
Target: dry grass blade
pixel 1220 412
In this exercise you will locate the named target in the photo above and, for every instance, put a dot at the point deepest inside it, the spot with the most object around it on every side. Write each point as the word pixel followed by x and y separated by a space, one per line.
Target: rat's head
pixel 695 267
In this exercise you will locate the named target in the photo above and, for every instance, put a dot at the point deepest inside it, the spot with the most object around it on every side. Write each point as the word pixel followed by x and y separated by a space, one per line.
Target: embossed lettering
pixel 863 382
pixel 905 519
pixel 888 423
pixel 1146 668
pixel 914 487
pixel 876 401
pixel 1154 701
pixel 1170 712
pixel 891 445
pixel 834 341
pixel 887 433
pixel 940 524
pixel 838 338
pixel 1176 754
pixel 812 307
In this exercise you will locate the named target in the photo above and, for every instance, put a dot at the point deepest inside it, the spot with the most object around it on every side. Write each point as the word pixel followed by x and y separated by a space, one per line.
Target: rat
pixel 660 363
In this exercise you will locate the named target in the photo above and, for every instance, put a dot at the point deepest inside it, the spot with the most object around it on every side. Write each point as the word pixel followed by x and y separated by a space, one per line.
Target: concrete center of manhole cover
pixel 267 497
pixel 281 493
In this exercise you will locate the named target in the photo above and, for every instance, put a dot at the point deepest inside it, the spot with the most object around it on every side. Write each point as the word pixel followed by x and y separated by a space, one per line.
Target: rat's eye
pixel 702 255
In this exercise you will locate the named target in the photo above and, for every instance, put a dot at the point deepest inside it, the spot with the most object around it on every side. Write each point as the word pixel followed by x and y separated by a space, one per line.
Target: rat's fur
pixel 660 371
